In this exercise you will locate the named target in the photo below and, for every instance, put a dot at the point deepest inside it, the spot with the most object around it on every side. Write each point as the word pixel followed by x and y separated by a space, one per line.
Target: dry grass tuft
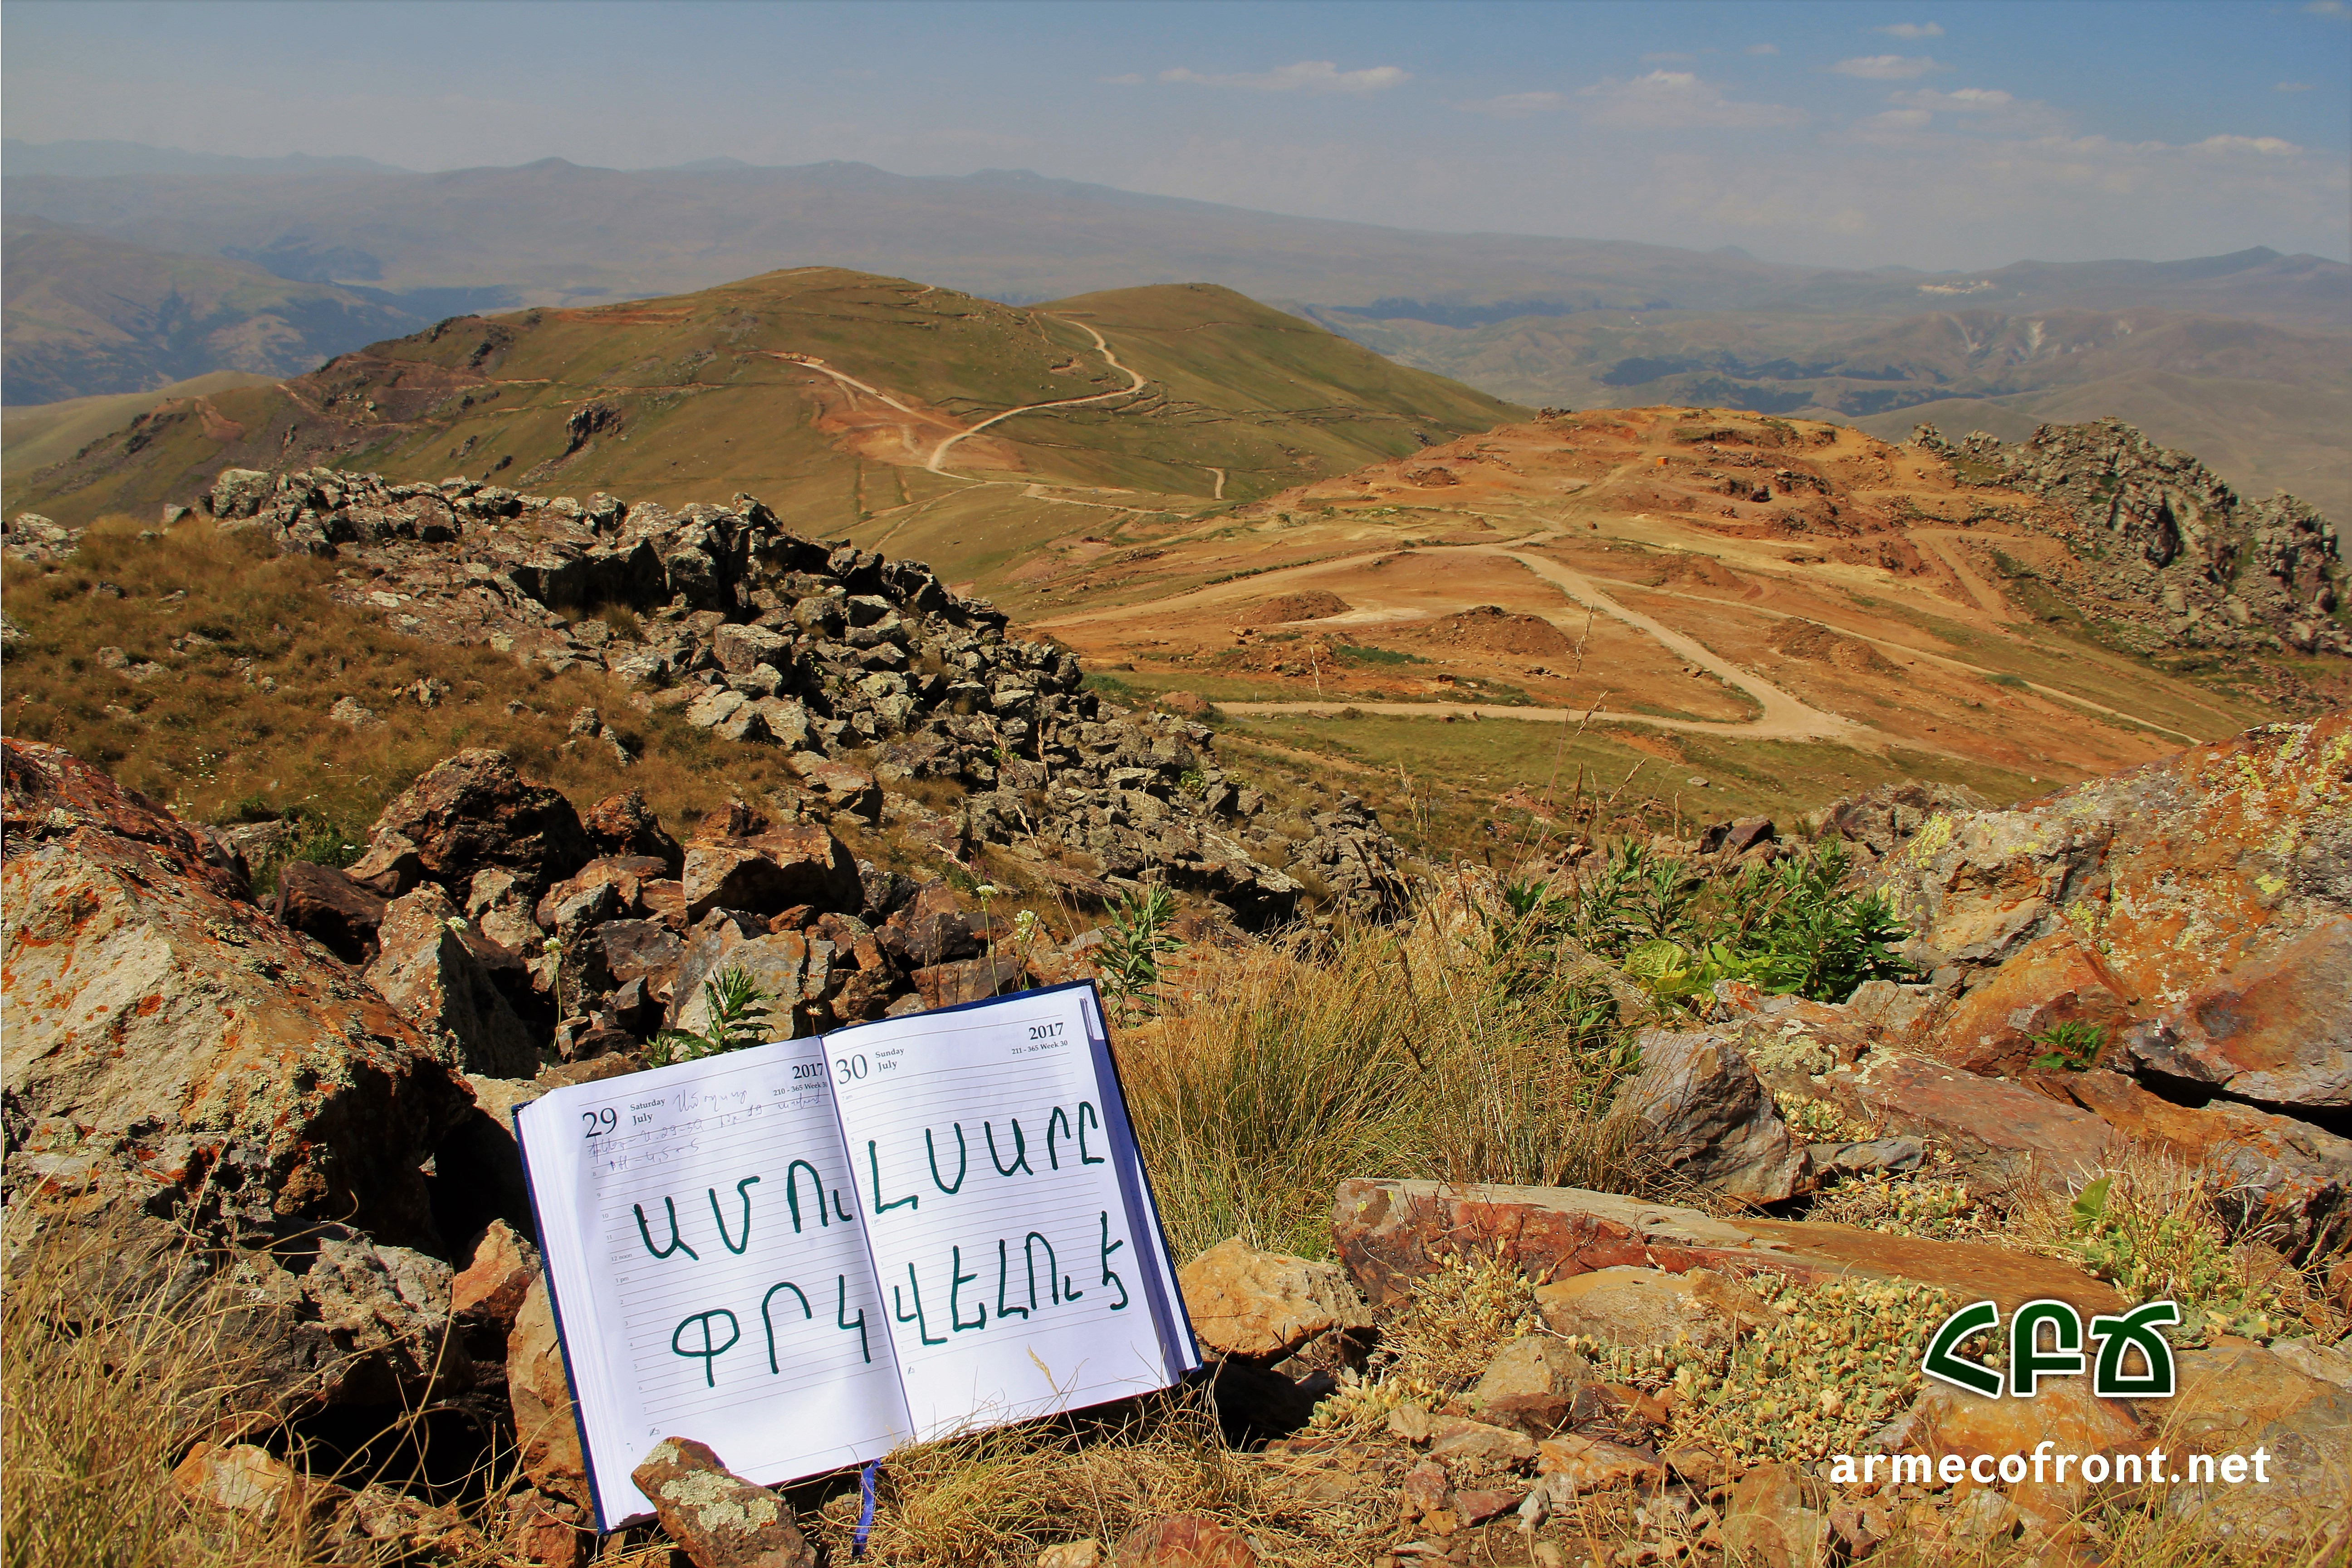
pixel 1001 1497
pixel 1385 1054
pixel 100 1405
pixel 1457 1320
pixel 2158 1229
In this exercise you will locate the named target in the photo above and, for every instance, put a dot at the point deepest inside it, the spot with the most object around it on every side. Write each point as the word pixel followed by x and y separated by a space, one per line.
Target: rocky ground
pixel 2172 555
pixel 301 1110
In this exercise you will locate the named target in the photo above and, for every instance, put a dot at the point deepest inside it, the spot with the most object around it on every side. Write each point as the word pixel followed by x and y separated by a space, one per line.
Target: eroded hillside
pixel 1768 608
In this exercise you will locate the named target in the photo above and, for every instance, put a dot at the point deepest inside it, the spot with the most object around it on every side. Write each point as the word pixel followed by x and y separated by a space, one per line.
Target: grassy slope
pixel 708 411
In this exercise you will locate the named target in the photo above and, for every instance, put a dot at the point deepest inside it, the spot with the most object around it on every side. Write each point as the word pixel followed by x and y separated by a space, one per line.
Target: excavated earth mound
pixel 1490 628
pixel 1311 605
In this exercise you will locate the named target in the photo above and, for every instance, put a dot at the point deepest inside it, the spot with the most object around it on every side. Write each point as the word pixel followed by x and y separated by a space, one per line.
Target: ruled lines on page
pixel 1011 1282
pixel 714 1278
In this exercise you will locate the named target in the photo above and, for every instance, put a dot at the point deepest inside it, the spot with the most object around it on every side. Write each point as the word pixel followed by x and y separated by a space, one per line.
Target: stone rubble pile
pixel 2172 546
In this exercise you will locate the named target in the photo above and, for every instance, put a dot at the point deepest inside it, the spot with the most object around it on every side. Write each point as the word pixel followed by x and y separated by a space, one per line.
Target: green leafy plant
pixel 739 1018
pixel 1130 954
pixel 2071 1046
pixel 2156 1233
pixel 1787 928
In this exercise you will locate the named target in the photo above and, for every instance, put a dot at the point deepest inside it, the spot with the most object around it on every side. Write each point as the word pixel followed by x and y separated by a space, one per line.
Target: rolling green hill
pixel 829 394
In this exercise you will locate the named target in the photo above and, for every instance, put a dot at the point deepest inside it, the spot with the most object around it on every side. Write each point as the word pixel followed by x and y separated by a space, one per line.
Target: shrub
pixel 1786 928
pixel 2069 1047
pixel 739 1018
pixel 1134 944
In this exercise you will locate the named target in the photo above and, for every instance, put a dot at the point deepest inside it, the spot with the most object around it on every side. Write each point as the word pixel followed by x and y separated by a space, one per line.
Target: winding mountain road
pixel 1134 384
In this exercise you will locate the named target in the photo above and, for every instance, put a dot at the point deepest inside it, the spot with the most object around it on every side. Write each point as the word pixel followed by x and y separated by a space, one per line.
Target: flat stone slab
pixel 1389 1233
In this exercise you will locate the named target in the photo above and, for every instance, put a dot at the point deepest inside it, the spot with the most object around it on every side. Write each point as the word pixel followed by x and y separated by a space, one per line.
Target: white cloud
pixel 2291 87
pixel 2335 8
pixel 1667 101
pixel 1512 105
pixel 1911 30
pixel 1901 118
pixel 1959 101
pixel 1763 50
pixel 1306 76
pixel 1886 67
pixel 2268 146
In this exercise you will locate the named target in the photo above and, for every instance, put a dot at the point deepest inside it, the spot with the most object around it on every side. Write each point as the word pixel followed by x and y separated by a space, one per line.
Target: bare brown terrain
pixel 1787 608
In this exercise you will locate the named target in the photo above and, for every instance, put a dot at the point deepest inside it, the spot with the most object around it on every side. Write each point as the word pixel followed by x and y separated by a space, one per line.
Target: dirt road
pixel 1134 384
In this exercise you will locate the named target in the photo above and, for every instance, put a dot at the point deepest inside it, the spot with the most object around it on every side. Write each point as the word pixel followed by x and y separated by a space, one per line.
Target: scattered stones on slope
pixel 2178 556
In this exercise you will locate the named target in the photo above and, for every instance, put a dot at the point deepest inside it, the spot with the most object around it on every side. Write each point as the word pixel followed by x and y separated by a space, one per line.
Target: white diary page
pixel 709 1270
pixel 1021 1269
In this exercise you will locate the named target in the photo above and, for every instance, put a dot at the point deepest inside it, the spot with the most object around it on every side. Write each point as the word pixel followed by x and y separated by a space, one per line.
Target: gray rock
pixel 426 968
pixel 1708 1117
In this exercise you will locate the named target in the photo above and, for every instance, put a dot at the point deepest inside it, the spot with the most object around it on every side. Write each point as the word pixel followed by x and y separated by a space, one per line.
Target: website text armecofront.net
pixel 2046 1463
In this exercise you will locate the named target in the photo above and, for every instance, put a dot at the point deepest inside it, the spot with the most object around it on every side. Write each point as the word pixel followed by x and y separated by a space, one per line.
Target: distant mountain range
pixel 90 315
pixel 1527 318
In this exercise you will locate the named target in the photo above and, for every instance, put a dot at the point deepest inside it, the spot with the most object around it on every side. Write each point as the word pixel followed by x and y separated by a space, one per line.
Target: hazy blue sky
pixel 1938 135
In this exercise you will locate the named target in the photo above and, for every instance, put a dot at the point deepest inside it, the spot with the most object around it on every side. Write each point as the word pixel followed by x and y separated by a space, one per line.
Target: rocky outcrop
pixel 198 1093
pixel 767 638
pixel 2199 909
pixel 2176 557
pixel 29 536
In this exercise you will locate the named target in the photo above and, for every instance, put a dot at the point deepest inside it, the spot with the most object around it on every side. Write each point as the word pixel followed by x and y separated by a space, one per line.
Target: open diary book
pixel 807 1253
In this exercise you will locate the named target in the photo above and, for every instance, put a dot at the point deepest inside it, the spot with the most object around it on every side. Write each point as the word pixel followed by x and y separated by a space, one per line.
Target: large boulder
pixel 2276 1168
pixel 539 1393
pixel 2236 1398
pixel 469 813
pixel 1260 1307
pixel 2002 1131
pixel 193 1093
pixel 2278 1029
pixel 769 870
pixel 624 825
pixel 168 1037
pixel 324 904
pixel 2196 890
